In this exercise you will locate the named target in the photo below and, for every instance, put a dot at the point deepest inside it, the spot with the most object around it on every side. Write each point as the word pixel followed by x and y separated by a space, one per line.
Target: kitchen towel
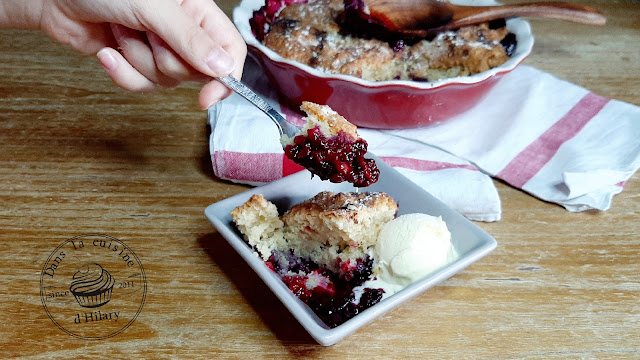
pixel 548 137
pixel 553 139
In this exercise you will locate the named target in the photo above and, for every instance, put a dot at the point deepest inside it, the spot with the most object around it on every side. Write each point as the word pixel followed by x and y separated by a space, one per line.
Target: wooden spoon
pixel 424 18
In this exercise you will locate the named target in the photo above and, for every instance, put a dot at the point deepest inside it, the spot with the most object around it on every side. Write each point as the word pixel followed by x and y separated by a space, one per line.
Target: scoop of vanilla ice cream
pixel 412 246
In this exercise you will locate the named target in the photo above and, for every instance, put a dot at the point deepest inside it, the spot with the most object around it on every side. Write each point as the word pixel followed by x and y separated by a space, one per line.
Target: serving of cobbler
pixel 321 248
pixel 329 146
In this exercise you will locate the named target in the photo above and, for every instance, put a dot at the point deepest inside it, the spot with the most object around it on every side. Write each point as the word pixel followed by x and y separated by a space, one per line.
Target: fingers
pixel 211 93
pixel 181 40
pixel 84 37
pixel 170 63
pixel 185 36
pixel 222 31
pixel 214 91
pixel 122 73
pixel 134 48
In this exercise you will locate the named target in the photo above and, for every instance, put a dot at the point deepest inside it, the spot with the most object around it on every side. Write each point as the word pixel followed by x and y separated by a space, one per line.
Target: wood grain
pixel 78 155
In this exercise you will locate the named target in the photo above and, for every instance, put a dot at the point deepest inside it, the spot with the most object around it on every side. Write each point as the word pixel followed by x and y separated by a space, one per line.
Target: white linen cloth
pixel 553 139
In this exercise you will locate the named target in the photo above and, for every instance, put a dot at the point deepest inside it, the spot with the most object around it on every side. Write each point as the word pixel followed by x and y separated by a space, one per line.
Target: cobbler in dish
pixel 321 34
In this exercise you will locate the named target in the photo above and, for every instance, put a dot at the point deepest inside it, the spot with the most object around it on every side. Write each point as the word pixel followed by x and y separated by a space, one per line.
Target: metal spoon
pixel 424 18
pixel 284 127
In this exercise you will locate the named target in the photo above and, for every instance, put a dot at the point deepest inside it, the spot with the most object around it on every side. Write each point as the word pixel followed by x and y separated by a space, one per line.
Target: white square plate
pixel 471 242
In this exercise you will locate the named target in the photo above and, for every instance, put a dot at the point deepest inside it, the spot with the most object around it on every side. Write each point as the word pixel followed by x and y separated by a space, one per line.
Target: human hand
pixel 160 42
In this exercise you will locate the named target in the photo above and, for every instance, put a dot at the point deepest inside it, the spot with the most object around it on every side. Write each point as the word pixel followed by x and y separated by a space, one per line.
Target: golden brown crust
pixel 334 121
pixel 470 56
pixel 259 222
pixel 328 203
pixel 329 228
pixel 334 227
pixel 310 34
pixel 326 119
pixel 254 202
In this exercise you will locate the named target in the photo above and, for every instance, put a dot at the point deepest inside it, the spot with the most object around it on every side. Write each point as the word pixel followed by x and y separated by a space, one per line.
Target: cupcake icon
pixel 92 285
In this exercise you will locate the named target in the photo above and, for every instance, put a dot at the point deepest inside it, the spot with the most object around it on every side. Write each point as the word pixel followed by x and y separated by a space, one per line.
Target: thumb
pixel 168 20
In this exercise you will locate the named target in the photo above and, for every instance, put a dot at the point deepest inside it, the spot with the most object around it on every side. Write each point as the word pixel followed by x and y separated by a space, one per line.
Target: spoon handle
pixel 467 15
pixel 284 127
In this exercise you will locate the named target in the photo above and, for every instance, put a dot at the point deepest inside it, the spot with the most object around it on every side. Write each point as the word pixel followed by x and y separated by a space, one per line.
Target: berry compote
pixel 331 296
pixel 338 158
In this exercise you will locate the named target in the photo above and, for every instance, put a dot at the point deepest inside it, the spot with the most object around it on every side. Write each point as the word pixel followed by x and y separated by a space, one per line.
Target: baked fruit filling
pixel 329 147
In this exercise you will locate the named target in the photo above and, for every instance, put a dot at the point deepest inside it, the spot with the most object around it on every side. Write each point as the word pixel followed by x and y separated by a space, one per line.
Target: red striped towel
pixel 550 138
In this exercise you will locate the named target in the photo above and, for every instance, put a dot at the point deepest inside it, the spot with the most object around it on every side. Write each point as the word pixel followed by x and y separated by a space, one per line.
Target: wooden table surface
pixel 78 155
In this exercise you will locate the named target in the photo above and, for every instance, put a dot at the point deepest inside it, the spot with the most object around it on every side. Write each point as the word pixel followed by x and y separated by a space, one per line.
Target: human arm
pixel 159 41
pixel 19 14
